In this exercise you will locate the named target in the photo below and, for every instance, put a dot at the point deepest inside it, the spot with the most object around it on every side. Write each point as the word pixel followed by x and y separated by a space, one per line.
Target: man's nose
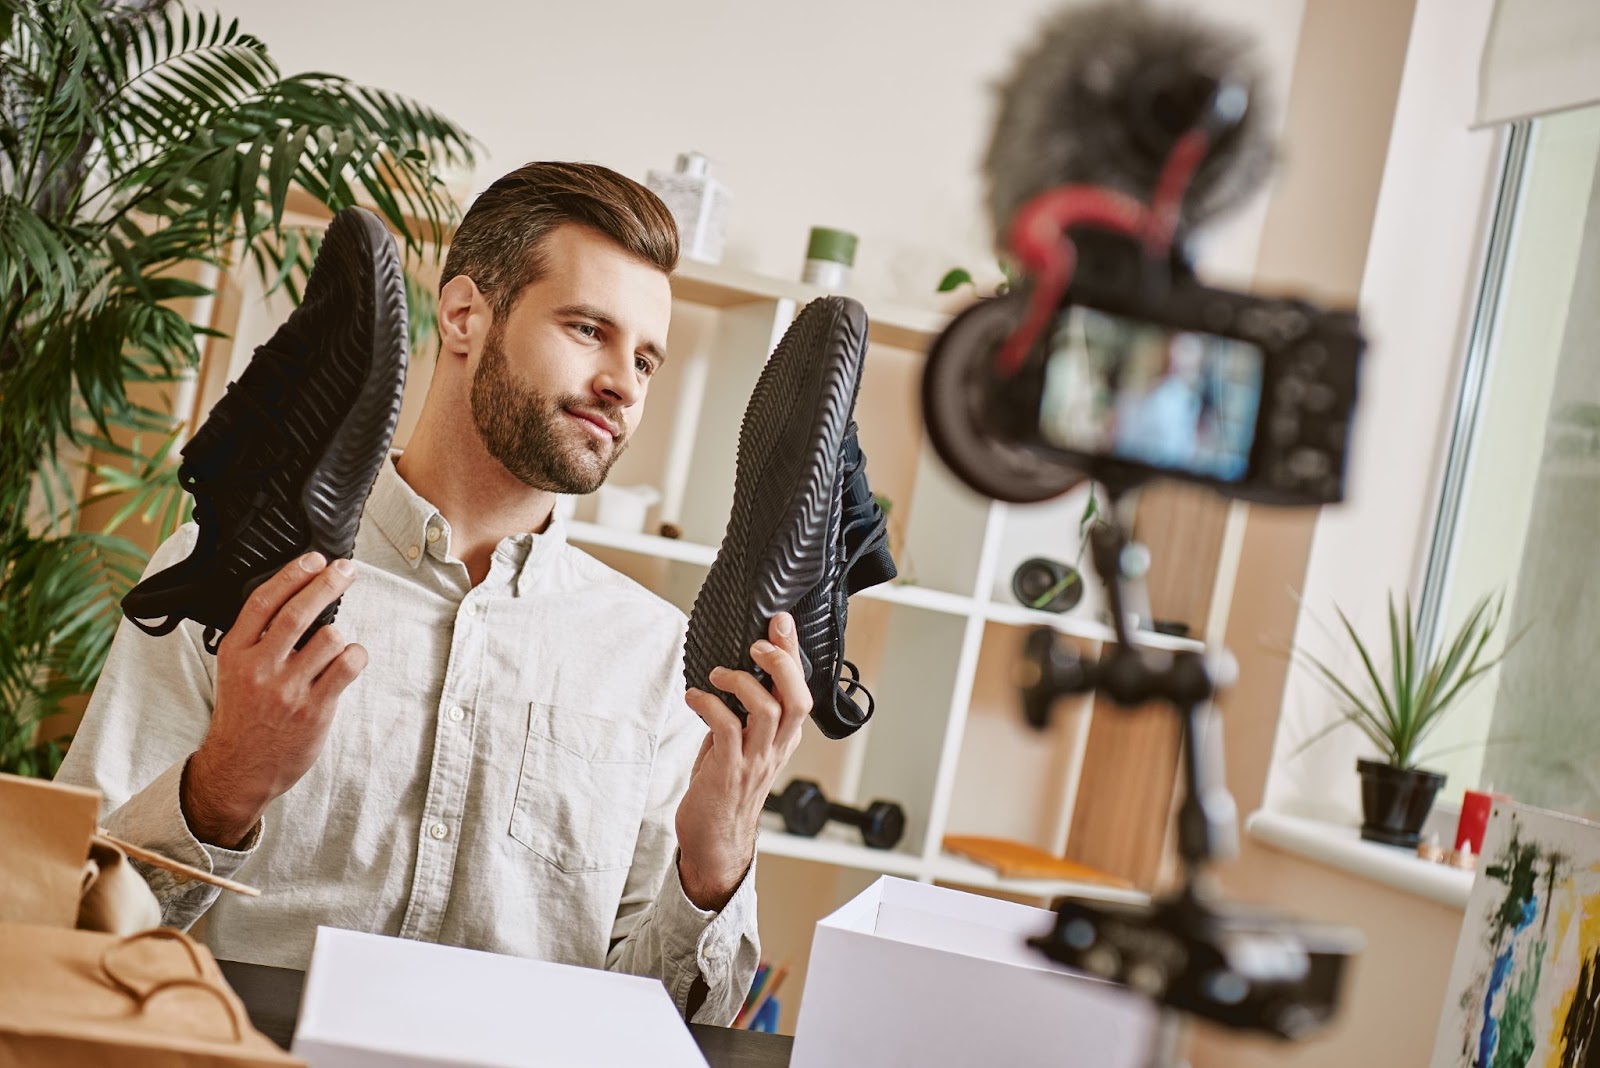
pixel 616 383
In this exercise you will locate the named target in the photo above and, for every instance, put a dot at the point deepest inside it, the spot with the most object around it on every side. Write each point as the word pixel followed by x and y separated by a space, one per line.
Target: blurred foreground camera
pixel 1138 372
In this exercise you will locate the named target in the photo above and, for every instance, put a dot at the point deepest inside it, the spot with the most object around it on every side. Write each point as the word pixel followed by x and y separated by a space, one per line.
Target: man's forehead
pixel 600 273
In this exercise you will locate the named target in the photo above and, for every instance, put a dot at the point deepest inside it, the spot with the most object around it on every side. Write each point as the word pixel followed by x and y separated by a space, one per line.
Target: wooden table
pixel 272 996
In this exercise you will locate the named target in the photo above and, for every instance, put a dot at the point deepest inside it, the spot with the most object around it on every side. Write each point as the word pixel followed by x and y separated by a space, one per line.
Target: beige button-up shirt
pixel 503 775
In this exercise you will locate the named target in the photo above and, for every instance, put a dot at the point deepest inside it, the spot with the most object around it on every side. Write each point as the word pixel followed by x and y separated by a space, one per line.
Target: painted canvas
pixel 1525 986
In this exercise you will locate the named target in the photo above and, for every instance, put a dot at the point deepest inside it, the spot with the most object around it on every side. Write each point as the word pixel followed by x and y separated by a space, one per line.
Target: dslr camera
pixel 1140 372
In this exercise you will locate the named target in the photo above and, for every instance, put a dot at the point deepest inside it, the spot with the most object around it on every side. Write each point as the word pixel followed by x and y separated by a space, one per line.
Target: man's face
pixel 561 381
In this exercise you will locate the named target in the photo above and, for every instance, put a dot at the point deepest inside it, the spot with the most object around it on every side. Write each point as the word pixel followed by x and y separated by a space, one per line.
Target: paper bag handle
pixel 198 980
pixel 208 987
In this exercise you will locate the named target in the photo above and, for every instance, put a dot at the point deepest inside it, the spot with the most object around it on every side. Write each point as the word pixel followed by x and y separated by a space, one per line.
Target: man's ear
pixel 464 317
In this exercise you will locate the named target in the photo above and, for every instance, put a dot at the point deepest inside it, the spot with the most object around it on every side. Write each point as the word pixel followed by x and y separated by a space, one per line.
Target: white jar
pixel 699 205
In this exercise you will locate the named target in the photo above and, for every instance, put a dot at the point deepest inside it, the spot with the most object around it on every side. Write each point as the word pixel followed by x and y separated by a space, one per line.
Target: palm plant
pixel 143 148
pixel 1398 709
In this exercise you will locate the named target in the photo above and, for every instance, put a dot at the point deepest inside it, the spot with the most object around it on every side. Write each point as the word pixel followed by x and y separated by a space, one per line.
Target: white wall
pixel 1422 269
pixel 869 115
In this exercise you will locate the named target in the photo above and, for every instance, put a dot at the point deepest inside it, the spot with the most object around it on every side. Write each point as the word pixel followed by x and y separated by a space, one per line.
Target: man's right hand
pixel 274 703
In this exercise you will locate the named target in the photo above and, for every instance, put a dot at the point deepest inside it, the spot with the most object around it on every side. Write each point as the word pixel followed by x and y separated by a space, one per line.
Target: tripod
pixel 1192 953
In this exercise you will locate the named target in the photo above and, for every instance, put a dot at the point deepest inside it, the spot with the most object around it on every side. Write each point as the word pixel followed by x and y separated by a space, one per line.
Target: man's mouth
pixel 597 424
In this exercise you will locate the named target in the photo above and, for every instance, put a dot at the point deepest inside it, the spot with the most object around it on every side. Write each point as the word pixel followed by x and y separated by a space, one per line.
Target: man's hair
pixel 500 243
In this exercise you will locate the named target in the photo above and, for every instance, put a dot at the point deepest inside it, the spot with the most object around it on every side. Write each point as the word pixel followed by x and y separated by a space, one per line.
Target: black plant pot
pixel 1395 802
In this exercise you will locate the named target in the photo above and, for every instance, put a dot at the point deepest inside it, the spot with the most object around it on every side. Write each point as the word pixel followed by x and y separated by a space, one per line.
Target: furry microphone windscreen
pixel 1102 95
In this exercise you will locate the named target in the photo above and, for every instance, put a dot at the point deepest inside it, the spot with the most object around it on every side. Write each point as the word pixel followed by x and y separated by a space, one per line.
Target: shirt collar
pixel 407 520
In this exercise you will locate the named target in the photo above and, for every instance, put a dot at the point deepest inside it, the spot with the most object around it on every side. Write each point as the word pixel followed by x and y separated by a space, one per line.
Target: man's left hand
pixel 720 812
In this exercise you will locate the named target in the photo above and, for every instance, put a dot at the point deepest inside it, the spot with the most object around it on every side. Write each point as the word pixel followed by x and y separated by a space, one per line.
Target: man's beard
pixel 531 434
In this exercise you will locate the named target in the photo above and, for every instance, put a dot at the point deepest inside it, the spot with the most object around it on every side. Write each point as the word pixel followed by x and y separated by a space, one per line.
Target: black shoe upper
pixel 283 463
pixel 866 529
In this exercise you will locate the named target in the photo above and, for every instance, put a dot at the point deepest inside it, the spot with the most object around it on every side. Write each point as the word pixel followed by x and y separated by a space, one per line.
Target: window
pixel 1520 511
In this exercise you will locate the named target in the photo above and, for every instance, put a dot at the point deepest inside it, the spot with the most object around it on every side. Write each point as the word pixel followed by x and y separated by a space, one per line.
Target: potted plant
pixel 143 147
pixel 1398 708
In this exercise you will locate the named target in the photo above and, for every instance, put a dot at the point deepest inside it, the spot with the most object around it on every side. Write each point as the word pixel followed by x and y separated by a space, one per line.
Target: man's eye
pixel 644 365
pixel 588 330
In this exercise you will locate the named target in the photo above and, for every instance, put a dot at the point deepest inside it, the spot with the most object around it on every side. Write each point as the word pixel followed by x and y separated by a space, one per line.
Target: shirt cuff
pixel 153 818
pixel 706 943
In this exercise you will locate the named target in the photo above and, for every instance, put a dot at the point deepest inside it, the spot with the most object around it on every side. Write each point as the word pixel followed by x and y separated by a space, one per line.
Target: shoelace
pixel 864 518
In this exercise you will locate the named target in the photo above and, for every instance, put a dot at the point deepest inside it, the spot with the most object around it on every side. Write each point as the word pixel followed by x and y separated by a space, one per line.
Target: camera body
pixel 1145 372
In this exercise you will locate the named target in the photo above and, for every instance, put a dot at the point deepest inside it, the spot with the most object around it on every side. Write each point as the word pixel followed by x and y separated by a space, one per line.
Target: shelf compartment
pixel 1076 626
pixel 911 660
pixel 654 545
pixel 717 286
pixel 959 871
pixel 833 846
pixel 1012 781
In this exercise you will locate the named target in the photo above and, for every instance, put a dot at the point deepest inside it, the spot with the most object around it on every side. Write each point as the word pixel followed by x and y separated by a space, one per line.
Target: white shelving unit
pixel 947 742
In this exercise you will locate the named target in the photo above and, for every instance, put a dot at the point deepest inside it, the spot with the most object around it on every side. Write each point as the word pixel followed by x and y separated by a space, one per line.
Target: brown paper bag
pixel 81 999
pixel 44 838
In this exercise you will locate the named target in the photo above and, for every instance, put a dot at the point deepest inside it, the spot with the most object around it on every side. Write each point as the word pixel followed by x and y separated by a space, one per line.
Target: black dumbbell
pixel 802 806
pixel 805 810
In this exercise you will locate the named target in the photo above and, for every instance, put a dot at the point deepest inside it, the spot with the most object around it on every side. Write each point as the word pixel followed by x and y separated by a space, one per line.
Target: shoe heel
pixel 160 596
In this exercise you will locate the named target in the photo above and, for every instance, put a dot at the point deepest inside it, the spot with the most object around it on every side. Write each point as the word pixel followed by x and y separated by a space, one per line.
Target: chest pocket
pixel 582 790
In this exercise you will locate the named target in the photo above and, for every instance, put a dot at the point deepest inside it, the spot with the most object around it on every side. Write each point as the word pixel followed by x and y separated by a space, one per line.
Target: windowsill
pixel 1342 847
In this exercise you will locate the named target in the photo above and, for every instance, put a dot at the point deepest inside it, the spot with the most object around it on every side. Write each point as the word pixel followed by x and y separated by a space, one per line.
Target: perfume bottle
pixel 699 205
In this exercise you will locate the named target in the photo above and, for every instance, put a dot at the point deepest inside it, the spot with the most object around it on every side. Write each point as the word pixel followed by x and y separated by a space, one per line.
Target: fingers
pixel 350 662
pixel 270 596
pixel 323 649
pixel 780 659
pixel 726 730
pixel 761 707
pixel 296 616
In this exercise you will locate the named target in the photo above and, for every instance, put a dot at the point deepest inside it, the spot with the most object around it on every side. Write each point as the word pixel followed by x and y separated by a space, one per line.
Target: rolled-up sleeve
pixel 659 931
pixel 148 714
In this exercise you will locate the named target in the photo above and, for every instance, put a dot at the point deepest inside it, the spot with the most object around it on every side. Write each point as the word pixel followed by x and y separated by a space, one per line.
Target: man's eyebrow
pixel 589 311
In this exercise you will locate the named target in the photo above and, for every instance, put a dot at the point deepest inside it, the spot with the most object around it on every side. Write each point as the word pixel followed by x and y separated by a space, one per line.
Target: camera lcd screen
pixel 1180 401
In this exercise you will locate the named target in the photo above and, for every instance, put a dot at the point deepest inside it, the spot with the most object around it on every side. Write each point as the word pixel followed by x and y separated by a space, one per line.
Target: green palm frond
pixel 144 147
pixel 286 262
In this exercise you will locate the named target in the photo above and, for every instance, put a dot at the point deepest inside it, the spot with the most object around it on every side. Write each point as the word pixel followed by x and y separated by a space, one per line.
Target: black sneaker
pixel 783 549
pixel 285 461
pixel 866 528
pixel 861 559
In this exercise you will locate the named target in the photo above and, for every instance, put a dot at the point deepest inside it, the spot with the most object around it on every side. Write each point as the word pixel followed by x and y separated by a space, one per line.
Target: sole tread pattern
pixel 784 520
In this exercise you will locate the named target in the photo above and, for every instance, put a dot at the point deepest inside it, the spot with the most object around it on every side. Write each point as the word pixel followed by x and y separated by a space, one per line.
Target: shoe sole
pixel 776 547
pixel 375 353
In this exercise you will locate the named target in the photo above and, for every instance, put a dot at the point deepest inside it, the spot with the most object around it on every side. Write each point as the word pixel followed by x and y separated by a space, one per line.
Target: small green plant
pixel 956 277
pixel 1399 708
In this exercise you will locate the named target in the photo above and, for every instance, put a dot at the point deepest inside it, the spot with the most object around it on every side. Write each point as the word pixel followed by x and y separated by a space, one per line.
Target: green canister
pixel 829 256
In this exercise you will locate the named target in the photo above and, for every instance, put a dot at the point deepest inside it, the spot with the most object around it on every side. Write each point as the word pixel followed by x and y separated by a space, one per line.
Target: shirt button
pixel 474 609
pixel 439 831
pixel 413 552
pixel 456 714
pixel 433 534
pixel 709 953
